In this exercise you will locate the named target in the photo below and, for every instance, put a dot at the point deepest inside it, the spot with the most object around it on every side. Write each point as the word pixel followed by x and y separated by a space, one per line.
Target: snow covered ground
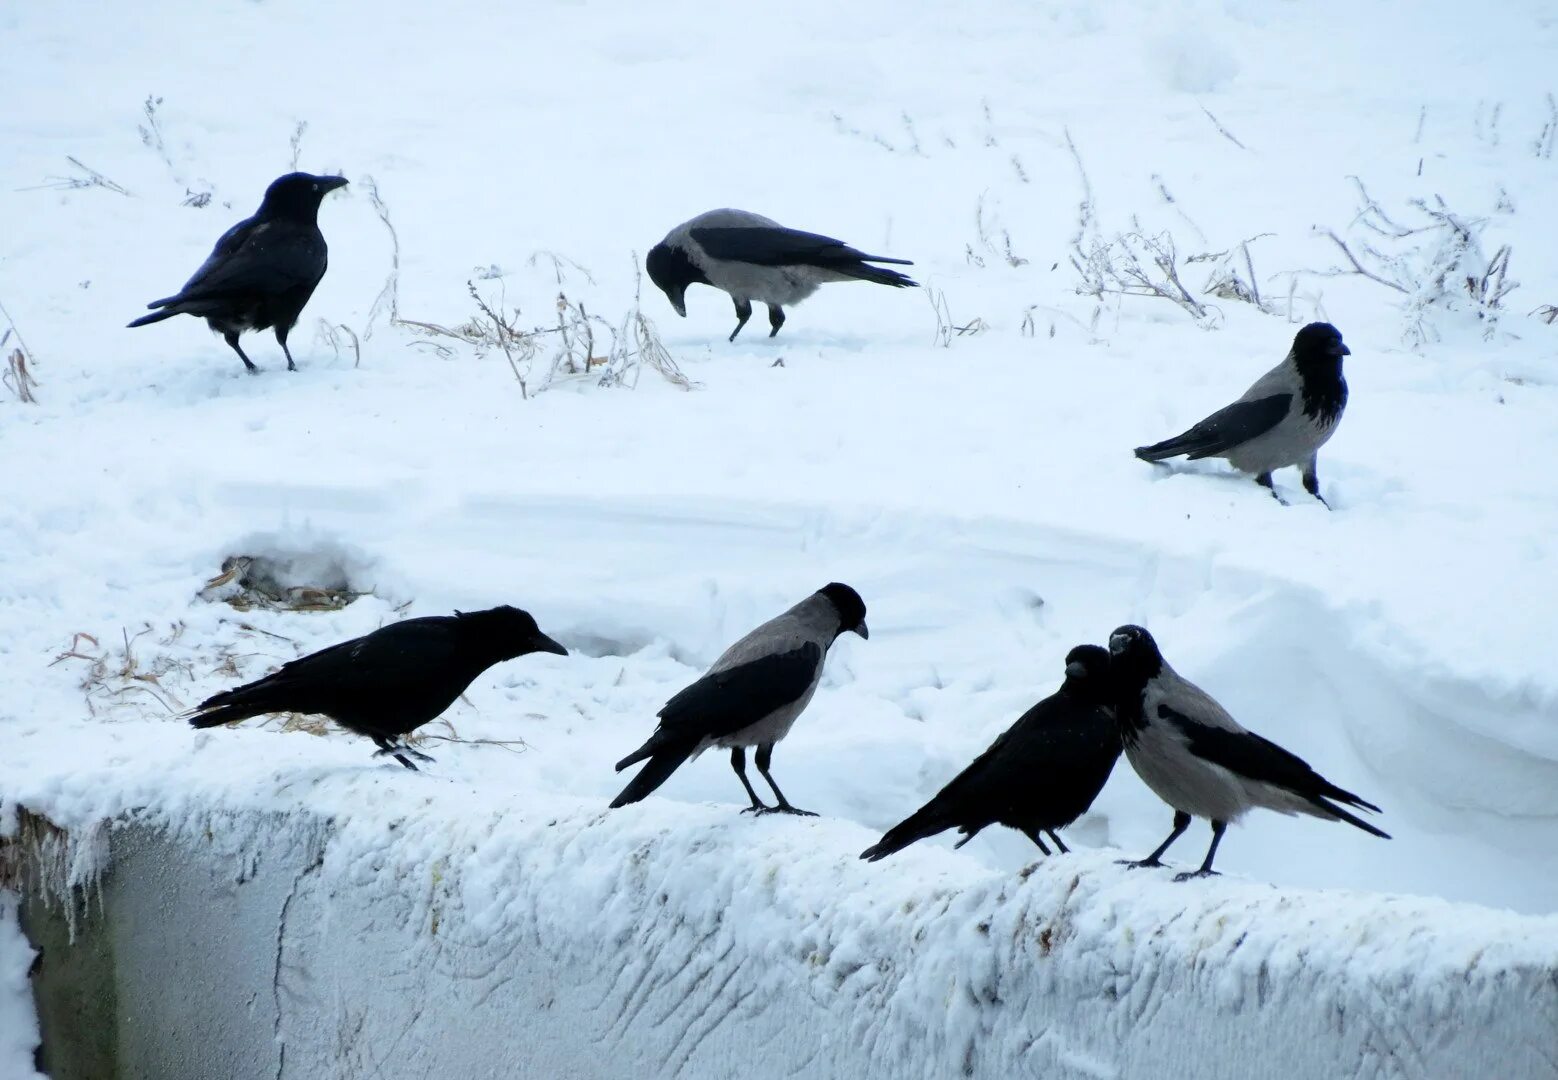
pixel 977 487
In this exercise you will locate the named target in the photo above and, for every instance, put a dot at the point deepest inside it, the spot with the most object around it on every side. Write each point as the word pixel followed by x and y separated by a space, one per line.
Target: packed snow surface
pixel 959 453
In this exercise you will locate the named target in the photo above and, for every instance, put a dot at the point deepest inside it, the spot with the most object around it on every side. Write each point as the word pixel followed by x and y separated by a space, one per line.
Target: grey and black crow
pixel 750 696
pixel 1040 775
pixel 388 683
pixel 1282 420
pixel 263 270
pixel 1197 758
pixel 755 258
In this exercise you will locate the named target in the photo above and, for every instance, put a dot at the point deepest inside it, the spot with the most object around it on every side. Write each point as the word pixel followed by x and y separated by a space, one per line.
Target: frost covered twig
pixel 388 299
pixel 89 178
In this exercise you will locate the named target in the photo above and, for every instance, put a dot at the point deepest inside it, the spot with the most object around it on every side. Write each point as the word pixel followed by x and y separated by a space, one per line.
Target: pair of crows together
pixel 264 269
pixel 1037 777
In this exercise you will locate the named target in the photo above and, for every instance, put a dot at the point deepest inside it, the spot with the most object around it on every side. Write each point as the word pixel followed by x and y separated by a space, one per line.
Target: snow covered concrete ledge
pixel 311 926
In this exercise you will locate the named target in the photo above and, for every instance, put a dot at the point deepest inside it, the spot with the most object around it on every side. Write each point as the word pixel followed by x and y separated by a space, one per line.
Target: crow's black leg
pixel 1181 823
pixel 1037 837
pixel 398 750
pixel 1059 843
pixel 738 761
pixel 1312 483
pixel 231 337
pixel 281 339
pixel 765 754
pixel 775 318
pixel 743 313
pixel 1211 853
pixel 1264 480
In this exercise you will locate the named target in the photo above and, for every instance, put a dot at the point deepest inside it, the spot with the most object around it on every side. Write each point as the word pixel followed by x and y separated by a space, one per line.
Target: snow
pixel 18 1025
pixel 977 488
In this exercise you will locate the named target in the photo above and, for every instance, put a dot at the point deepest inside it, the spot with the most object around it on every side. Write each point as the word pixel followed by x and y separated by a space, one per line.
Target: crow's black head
pixel 509 631
pixel 1319 339
pixel 1133 657
pixel 671 269
pixel 851 609
pixel 297 195
pixel 1088 672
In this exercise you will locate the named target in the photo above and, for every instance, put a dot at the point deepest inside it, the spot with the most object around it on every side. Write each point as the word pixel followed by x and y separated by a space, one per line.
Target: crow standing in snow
pixel 388 683
pixel 755 258
pixel 263 270
pixel 1198 759
pixel 1041 775
pixel 750 696
pixel 1282 420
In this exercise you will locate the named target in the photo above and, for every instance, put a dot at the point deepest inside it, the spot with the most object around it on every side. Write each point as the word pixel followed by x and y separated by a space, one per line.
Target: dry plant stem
pixel 389 296
pixel 1218 124
pixel 1358 267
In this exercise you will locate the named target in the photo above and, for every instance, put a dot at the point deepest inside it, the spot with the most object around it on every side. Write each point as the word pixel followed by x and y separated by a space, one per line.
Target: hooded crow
pixel 1040 775
pixel 1198 759
pixel 388 683
pixel 755 258
pixel 263 270
pixel 1282 420
pixel 750 697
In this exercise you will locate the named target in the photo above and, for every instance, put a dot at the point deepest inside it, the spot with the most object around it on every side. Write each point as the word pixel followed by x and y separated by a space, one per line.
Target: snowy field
pixel 959 453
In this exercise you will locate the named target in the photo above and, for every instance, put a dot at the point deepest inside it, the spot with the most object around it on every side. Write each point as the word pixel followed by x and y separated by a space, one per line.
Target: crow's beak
pixel 542 643
pixel 680 304
pixel 1076 670
pixel 1117 643
pixel 1343 350
pixel 863 632
pixel 330 183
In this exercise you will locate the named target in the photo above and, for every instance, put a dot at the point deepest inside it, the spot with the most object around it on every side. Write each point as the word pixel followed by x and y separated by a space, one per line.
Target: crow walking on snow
pixel 755 258
pixel 263 270
pixel 1282 420
pixel 388 683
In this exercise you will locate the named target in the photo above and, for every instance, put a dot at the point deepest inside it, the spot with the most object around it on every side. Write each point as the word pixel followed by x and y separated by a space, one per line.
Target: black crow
pixel 755 258
pixel 388 683
pixel 1198 759
pixel 1282 420
pixel 263 270
pixel 750 696
pixel 1040 775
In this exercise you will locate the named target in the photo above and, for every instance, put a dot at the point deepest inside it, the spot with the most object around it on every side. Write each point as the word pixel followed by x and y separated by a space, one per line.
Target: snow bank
pixel 312 927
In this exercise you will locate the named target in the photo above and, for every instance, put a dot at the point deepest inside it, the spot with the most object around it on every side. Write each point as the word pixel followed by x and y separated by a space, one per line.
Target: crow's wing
pixel 1225 429
pixel 404 655
pixel 724 702
pixel 781 247
pixel 256 257
pixel 1249 755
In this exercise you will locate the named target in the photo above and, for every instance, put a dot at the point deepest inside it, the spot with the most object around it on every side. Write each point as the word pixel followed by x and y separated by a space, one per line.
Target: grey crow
pixel 1040 775
pixel 750 696
pixel 1282 420
pixel 1197 758
pixel 263 270
pixel 388 683
pixel 755 258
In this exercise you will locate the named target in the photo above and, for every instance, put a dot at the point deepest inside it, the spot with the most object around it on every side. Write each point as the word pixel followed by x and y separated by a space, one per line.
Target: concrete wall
pixel 300 953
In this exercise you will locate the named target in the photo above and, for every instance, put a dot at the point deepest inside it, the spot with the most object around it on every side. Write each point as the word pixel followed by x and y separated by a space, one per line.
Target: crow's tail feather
pixel 663 761
pixel 156 316
pixel 1332 810
pixel 1190 444
pixel 866 272
pixel 926 821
